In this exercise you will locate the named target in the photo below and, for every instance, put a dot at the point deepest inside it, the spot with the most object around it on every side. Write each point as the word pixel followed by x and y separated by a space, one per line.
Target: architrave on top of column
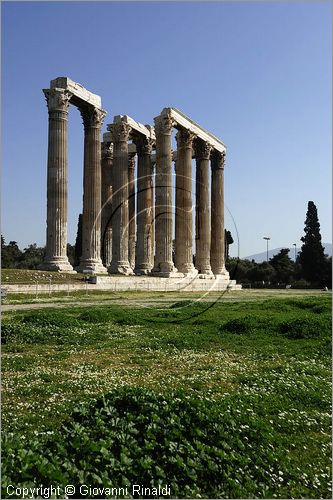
pixel 181 120
pixel 81 96
pixel 137 128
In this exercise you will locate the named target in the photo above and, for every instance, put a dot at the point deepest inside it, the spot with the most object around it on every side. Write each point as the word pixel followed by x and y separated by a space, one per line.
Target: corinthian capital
pixel 92 117
pixel 218 160
pixel 120 131
pixel 184 138
pixel 144 145
pixel 57 99
pixel 163 124
pixel 202 150
pixel 107 151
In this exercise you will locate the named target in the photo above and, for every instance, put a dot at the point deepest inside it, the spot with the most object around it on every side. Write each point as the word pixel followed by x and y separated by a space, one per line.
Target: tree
pixel 283 266
pixel 228 240
pixel 11 255
pixel 312 258
pixel 263 272
pixel 31 257
pixel 239 269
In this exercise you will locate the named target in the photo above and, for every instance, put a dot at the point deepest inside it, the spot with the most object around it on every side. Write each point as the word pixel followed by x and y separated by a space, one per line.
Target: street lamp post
pixel 294 244
pixel 267 240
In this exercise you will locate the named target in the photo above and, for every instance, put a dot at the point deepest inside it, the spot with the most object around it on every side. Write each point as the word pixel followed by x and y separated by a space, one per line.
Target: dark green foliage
pixel 200 447
pixel 247 324
pixel 283 267
pixel 302 328
pixel 312 257
pixel 181 303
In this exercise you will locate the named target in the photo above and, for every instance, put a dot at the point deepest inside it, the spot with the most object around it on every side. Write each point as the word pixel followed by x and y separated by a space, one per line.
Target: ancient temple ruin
pixel 130 218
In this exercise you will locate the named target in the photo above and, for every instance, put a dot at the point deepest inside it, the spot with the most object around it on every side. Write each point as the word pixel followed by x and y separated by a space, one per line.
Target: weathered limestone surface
pixel 106 217
pixel 131 210
pixel 144 242
pixel 184 223
pixel 217 214
pixel 57 165
pixel 80 95
pixel 202 219
pixel 120 135
pixel 163 197
pixel 91 219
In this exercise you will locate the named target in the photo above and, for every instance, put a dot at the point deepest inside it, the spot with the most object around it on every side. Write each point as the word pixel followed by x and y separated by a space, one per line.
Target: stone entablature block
pixel 78 91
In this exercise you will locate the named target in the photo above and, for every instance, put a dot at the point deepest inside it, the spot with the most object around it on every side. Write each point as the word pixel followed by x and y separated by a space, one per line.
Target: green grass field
pixel 218 400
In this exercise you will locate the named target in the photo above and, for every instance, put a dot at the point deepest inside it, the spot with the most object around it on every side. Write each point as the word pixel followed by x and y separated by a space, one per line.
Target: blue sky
pixel 256 74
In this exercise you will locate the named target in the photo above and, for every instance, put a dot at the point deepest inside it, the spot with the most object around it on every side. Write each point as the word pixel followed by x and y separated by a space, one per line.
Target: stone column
pixel 184 203
pixel 202 219
pixel 91 218
pixel 144 240
pixel 217 238
pixel 120 265
pixel 163 265
pixel 57 165
pixel 106 216
pixel 131 209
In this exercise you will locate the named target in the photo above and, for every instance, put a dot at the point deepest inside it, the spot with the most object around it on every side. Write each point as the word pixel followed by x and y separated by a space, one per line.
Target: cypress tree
pixel 311 257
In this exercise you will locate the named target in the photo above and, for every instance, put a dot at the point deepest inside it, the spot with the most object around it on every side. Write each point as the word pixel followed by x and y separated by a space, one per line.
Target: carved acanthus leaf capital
pixel 218 160
pixel 107 151
pixel 202 150
pixel 120 131
pixel 92 117
pixel 184 138
pixel 131 160
pixel 57 99
pixel 144 145
pixel 163 124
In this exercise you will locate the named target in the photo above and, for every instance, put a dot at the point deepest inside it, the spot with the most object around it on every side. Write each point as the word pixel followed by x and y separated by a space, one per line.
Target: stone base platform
pixel 174 284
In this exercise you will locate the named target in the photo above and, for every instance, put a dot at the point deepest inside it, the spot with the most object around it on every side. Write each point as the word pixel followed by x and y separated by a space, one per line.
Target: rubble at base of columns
pixel 92 267
pixel 206 275
pixel 142 271
pixel 60 265
pixel 123 268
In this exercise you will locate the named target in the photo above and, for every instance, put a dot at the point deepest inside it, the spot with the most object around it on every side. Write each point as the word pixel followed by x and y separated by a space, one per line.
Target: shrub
pixel 302 328
pixel 247 324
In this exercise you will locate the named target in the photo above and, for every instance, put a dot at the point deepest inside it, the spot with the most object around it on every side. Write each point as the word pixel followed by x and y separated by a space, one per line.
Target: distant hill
pixel 261 257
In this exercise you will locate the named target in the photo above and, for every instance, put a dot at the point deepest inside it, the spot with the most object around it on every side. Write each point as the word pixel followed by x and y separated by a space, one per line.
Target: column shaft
pixel 144 241
pixel 163 265
pixel 57 172
pixel 202 219
pixel 131 210
pixel 120 264
pixel 106 216
pixel 217 238
pixel 91 218
pixel 184 203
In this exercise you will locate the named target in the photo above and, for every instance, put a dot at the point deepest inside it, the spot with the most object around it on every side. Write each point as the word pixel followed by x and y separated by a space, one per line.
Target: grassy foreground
pixel 226 400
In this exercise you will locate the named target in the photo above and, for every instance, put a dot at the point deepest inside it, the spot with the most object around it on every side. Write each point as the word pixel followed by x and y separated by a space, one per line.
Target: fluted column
pixel 184 203
pixel 57 172
pixel 217 233
pixel 131 209
pixel 163 265
pixel 106 216
pixel 202 219
pixel 91 218
pixel 144 239
pixel 120 264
